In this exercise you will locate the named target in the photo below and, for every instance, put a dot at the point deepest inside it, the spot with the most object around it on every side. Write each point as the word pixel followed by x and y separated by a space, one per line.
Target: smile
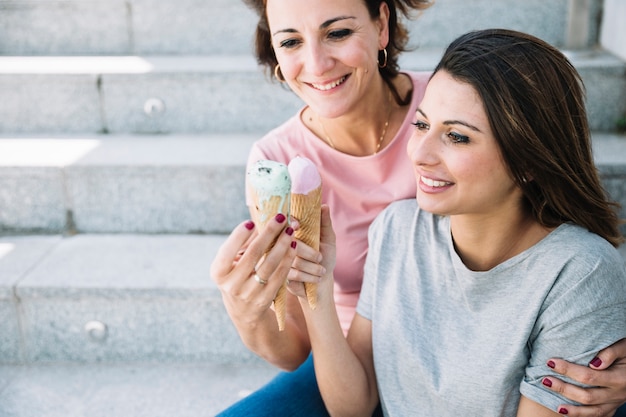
pixel 329 86
pixel 434 183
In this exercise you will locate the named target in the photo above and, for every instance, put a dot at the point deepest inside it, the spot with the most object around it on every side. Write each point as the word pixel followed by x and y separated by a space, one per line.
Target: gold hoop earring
pixel 385 62
pixel 278 74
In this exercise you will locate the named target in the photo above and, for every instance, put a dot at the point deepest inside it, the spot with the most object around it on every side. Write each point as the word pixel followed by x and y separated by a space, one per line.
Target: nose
pixel 422 148
pixel 318 59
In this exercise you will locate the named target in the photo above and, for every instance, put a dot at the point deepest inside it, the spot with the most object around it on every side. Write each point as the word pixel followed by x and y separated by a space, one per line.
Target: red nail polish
pixel 563 411
pixel 547 382
pixel 280 217
pixel 551 364
pixel 249 225
pixel 289 231
pixel 294 244
pixel 596 362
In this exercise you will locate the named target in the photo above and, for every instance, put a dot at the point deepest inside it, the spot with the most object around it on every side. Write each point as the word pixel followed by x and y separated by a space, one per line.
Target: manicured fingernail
pixel 547 382
pixel 563 411
pixel 551 364
pixel 289 231
pixel 280 217
pixel 596 362
pixel 249 225
pixel 293 244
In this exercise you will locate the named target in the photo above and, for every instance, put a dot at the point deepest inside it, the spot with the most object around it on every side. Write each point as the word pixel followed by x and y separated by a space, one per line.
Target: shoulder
pixel 585 263
pixel 398 210
pixel 585 247
pixel 401 215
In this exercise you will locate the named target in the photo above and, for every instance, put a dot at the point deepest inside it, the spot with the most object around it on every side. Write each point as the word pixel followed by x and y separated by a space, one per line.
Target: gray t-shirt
pixel 449 341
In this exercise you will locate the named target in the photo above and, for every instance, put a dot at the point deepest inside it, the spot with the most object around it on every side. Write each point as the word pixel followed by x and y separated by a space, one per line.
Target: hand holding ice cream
pixel 294 190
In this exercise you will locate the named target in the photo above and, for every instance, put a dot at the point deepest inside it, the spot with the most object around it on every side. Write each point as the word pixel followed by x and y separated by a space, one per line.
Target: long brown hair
pixel 534 100
pixel 398 34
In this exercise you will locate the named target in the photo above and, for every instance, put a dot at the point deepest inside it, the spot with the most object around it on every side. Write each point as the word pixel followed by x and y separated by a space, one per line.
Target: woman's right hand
pixel 245 255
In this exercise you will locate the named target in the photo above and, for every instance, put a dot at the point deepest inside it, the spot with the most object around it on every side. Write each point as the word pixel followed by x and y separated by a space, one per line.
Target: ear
pixel 383 25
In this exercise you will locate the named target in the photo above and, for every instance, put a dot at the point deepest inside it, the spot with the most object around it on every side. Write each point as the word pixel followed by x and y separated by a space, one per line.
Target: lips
pixel 331 85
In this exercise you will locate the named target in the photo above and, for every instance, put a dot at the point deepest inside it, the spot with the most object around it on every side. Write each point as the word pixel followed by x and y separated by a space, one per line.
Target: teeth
pixel 434 183
pixel 325 87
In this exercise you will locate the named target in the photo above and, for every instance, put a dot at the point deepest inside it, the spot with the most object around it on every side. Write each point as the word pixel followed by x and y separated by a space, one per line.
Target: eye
pixel 289 43
pixel 419 125
pixel 339 34
pixel 458 138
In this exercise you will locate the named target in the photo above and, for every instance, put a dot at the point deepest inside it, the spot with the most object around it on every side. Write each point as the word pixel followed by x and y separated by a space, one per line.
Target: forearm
pixel 285 349
pixel 342 378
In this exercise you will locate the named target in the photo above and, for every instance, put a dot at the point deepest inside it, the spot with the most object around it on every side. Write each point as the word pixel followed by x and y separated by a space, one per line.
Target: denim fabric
pixel 288 394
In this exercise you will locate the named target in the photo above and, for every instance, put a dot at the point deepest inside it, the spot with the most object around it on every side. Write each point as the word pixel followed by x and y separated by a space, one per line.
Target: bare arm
pixel 344 367
pixel 606 374
pixel 529 408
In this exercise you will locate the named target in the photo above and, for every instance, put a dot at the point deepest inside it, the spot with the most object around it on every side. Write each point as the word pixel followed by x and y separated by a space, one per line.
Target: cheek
pixel 287 64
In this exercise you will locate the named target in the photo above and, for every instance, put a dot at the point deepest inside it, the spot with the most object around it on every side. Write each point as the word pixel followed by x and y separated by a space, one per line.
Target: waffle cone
pixel 306 208
pixel 264 210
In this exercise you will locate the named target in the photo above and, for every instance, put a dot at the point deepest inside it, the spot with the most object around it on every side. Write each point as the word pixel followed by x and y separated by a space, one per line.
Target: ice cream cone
pixel 306 208
pixel 306 200
pixel 270 188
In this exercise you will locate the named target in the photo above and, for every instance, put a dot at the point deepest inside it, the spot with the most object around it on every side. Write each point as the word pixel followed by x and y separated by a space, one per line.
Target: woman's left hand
pixel 313 266
pixel 606 373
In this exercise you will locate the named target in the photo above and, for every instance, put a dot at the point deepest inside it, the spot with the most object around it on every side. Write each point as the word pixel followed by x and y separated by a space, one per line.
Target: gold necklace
pixel 382 135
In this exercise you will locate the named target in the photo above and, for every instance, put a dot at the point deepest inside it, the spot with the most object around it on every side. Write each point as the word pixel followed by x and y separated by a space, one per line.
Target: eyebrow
pixel 454 122
pixel 322 26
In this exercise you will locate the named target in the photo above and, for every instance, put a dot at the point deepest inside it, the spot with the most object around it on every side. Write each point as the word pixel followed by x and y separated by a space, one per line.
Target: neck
pixel 484 243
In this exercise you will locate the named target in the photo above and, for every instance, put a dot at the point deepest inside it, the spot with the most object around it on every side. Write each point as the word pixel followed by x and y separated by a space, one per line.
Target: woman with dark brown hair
pixel 507 253
pixel 341 59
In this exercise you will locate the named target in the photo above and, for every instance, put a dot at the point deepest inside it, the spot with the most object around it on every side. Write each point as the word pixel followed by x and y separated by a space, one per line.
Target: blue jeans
pixel 288 394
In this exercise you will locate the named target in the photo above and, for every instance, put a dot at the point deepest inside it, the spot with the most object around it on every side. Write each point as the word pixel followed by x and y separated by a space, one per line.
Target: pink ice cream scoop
pixel 304 175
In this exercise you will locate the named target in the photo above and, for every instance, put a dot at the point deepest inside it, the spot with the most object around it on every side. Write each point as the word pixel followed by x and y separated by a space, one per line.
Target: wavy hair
pixel 535 102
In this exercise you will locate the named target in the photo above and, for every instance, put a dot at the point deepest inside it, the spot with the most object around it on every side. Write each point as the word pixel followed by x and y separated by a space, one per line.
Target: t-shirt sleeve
pixel 581 316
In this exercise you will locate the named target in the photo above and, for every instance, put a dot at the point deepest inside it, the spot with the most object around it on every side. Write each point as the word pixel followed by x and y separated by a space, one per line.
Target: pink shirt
pixel 355 188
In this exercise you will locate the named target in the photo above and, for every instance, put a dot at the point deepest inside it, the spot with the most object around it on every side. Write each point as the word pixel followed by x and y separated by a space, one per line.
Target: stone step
pixel 205 93
pixel 123 183
pixel 156 184
pixel 116 299
pixel 113 298
pixel 181 27
pixel 137 390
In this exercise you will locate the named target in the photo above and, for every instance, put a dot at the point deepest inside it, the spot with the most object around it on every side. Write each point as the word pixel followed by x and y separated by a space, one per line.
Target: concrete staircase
pixel 124 130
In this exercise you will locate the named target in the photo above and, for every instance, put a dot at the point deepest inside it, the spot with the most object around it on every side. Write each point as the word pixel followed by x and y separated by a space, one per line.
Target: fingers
pixel 585 396
pixel 276 264
pixel 230 250
pixel 606 410
pixel 606 395
pixel 594 401
pixel 269 246
pixel 607 356
pixel 610 383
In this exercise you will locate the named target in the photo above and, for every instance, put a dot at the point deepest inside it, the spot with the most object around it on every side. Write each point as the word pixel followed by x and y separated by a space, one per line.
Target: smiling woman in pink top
pixel 341 58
